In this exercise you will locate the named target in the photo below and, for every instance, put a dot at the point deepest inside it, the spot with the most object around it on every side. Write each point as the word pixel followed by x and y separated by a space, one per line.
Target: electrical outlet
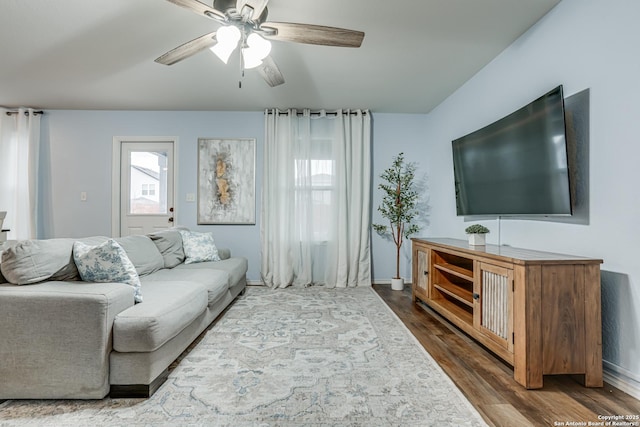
pixel 191 197
pixel 83 196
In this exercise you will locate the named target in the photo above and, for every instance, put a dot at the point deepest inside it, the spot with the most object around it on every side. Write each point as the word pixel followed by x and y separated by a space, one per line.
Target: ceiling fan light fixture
pixel 257 49
pixel 228 38
pixel 249 61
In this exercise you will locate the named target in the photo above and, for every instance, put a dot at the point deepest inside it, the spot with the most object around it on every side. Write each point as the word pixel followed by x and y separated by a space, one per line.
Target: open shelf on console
pixel 456 292
pixel 464 272
pixel 452 284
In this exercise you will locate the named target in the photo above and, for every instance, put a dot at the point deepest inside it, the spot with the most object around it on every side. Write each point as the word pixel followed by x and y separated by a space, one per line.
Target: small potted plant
pixel 399 208
pixel 476 234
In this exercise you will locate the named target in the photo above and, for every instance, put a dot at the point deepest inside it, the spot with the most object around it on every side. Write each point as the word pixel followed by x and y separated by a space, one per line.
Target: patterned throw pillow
pixel 198 247
pixel 106 263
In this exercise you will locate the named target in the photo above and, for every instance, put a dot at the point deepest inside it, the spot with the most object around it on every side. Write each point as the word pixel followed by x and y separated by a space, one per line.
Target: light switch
pixel 83 196
pixel 191 197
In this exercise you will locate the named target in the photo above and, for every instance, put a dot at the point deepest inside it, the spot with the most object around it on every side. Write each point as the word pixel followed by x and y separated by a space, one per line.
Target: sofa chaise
pixel 64 335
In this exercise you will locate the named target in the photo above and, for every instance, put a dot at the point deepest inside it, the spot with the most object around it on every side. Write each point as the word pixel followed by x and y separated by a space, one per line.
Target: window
pixel 147 182
pixel 315 183
pixel 148 189
pixel 316 199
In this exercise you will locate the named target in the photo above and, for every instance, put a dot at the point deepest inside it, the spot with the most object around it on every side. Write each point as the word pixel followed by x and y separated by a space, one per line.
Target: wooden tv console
pixel 538 311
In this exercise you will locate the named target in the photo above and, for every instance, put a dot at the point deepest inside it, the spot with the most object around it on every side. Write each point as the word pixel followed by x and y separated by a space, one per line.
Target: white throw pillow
pixel 198 247
pixel 106 263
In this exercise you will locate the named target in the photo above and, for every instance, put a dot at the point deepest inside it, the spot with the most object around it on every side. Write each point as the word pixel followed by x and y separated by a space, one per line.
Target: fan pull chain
pixel 241 70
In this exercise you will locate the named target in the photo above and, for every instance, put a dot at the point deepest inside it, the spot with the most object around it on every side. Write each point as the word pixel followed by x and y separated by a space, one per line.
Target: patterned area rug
pixel 292 357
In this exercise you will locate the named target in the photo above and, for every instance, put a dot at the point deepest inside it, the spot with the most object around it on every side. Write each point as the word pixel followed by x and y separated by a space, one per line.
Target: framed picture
pixel 226 181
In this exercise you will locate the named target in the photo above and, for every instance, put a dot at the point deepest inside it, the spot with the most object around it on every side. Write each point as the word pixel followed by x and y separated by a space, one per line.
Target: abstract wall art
pixel 226 181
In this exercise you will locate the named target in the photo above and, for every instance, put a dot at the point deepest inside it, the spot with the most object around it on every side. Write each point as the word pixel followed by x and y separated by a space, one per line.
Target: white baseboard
pixel 622 379
pixel 388 282
pixel 255 283
pixel 259 283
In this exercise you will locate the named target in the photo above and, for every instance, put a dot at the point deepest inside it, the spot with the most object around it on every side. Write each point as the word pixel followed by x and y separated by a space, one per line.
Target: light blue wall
pixel 584 45
pixel 77 152
pixel 76 157
pixel 394 134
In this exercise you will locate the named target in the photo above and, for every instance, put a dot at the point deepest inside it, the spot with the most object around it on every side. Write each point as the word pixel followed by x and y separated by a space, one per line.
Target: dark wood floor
pixel 488 382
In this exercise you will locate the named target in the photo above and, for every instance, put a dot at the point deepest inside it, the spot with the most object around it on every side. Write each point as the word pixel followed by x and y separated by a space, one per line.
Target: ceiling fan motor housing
pixel 229 8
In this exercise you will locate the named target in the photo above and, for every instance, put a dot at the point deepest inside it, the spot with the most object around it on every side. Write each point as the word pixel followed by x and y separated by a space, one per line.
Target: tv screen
pixel 516 166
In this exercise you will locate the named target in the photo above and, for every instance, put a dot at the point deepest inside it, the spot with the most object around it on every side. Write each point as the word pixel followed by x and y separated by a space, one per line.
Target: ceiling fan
pixel 244 24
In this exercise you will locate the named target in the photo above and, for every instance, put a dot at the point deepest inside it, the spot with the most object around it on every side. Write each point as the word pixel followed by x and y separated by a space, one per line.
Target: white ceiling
pixel 90 54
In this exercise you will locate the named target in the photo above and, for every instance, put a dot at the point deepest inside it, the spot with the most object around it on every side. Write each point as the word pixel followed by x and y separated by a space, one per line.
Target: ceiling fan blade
pixel 257 6
pixel 314 34
pixel 188 49
pixel 201 9
pixel 270 72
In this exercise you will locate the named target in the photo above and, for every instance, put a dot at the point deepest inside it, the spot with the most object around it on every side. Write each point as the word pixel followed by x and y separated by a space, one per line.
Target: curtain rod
pixel 26 113
pixel 317 113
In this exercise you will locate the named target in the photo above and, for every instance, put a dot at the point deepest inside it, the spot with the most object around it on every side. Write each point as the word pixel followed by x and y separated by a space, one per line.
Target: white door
pixel 146 186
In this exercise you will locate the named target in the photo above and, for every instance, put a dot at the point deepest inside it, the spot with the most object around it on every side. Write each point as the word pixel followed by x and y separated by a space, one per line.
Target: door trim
pixel 115 175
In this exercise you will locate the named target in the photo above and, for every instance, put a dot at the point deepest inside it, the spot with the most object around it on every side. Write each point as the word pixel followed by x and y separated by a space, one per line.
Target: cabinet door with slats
pixel 494 314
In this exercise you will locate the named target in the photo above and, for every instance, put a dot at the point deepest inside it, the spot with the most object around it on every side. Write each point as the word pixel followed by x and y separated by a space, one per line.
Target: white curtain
pixel 19 149
pixel 316 198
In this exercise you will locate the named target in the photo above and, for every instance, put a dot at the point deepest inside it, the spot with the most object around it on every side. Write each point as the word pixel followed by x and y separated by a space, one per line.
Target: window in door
pixel 148 172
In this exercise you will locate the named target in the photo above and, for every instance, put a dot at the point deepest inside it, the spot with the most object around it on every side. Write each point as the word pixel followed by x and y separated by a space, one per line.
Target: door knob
pixel 170 219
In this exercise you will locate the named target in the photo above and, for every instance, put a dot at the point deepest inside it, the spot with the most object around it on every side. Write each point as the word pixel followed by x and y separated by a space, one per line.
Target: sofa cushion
pixel 106 263
pixel 198 247
pixel 169 243
pixel 143 253
pixel 31 261
pixel 215 281
pixel 169 307
pixel 2 279
pixel 235 267
pixel 224 253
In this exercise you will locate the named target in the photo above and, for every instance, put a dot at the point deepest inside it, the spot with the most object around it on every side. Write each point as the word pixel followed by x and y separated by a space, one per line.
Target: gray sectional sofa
pixel 61 337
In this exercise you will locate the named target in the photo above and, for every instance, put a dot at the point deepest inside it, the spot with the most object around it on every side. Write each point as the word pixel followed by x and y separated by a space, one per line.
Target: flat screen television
pixel 516 166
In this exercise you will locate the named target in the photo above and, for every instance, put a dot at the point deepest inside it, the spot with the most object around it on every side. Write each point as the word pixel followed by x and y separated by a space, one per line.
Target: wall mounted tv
pixel 516 166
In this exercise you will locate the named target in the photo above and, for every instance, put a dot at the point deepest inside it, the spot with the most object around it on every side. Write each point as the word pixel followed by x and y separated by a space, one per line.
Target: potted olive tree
pixel 398 207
